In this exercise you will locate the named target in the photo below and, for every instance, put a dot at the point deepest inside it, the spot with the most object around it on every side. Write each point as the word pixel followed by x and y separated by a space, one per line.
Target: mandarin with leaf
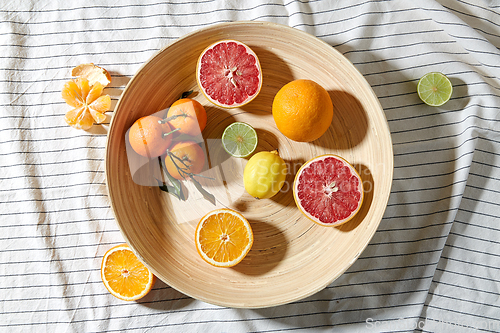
pixel 148 137
pixel 184 158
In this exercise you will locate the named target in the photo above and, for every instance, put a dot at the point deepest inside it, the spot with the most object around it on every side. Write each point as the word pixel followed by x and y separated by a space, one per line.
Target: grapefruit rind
pixel 244 252
pixel 202 89
pixel 308 215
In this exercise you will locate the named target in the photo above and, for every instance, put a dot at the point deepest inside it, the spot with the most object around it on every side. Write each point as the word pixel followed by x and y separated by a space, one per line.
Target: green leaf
pixel 186 94
pixel 207 195
pixel 176 188
pixel 165 187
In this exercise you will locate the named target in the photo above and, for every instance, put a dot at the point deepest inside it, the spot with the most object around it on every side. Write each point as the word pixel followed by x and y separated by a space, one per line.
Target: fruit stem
pixel 202 176
pixel 184 174
pixel 181 170
pixel 175 130
pixel 163 121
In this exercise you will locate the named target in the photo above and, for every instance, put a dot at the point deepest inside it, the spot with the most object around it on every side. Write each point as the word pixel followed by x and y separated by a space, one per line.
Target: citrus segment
pixel 223 237
pixel 89 105
pixel 239 139
pixel 328 190
pixel 147 136
pixel 229 73
pixel 434 89
pixel 302 110
pixel 124 275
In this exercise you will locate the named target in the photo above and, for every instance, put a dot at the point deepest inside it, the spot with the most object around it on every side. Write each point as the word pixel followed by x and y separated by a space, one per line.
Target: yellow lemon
pixel 264 174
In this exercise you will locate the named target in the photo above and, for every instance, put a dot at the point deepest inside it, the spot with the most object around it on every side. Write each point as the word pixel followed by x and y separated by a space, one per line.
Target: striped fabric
pixel 432 266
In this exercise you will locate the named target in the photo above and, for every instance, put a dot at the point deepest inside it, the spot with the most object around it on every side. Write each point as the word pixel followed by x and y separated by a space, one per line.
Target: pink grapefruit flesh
pixel 229 74
pixel 328 190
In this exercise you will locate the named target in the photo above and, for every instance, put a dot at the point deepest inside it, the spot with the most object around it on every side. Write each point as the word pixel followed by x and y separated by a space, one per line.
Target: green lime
pixel 239 139
pixel 434 89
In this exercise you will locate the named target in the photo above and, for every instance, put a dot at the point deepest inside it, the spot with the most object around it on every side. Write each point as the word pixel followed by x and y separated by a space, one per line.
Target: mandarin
pixel 188 158
pixel 302 110
pixel 89 105
pixel 188 115
pixel 148 137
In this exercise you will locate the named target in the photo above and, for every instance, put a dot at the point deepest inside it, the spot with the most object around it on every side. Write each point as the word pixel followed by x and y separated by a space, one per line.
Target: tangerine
pixel 188 115
pixel 184 158
pixel 148 137
pixel 302 110
pixel 89 105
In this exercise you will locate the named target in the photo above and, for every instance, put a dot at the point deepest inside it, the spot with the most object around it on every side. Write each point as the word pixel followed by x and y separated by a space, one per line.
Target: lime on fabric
pixel 239 139
pixel 434 89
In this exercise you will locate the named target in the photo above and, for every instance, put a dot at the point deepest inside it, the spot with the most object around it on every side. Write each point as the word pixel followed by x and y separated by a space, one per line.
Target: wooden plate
pixel 292 257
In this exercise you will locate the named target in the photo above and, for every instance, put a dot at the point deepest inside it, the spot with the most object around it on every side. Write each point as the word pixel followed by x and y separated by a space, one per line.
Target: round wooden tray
pixel 291 257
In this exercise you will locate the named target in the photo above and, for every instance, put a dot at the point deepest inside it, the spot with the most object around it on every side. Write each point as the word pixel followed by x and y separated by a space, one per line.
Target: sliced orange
pixel 89 105
pixel 92 73
pixel 223 237
pixel 124 275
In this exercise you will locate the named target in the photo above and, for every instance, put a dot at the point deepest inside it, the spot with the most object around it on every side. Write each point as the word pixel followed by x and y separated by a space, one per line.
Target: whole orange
pixel 302 110
pixel 146 136
pixel 188 115
pixel 188 157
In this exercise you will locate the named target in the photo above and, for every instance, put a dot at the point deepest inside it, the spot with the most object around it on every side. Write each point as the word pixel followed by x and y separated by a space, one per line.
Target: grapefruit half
pixel 228 73
pixel 328 190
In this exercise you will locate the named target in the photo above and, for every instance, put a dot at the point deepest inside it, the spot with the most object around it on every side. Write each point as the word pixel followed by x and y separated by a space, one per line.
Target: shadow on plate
pixel 276 73
pixel 349 124
pixel 268 249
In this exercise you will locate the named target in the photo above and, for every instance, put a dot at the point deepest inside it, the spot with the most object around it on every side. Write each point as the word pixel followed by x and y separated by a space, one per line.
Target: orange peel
pixel 92 73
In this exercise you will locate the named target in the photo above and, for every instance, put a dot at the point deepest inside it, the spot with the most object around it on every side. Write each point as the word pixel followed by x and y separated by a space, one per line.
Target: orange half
pixel 124 275
pixel 223 237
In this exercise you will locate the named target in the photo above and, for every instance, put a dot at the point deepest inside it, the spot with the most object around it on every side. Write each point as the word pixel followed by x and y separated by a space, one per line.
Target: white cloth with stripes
pixel 434 263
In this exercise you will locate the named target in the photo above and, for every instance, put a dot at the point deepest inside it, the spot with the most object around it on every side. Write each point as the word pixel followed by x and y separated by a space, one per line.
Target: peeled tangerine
pixel 89 106
pixel 264 174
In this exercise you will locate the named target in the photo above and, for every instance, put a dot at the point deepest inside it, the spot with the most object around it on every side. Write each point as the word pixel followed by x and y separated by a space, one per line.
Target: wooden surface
pixel 292 257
